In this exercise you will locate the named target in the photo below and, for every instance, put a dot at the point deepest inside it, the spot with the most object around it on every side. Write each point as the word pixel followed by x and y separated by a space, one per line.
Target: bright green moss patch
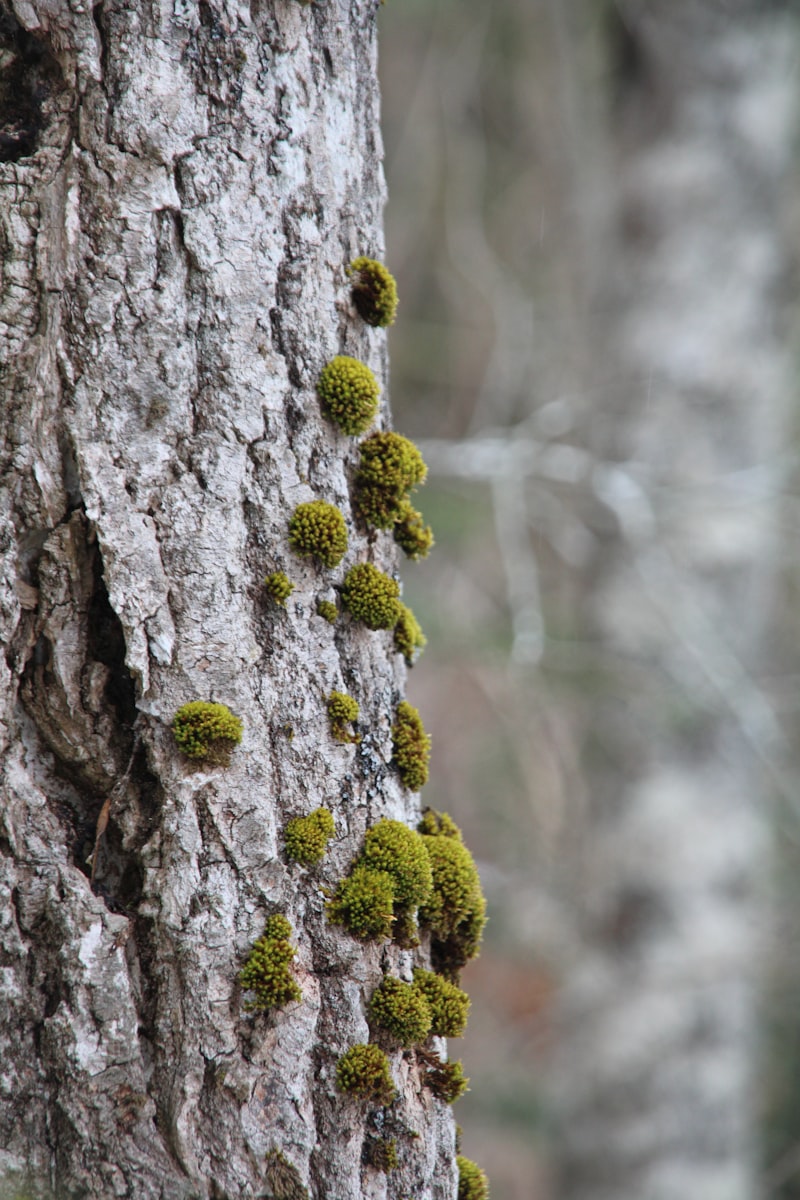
pixel 328 611
pixel 364 1072
pixel 317 529
pixel 411 747
pixel 206 731
pixel 282 1179
pixel 472 1181
pixel 306 838
pixel 364 903
pixel 374 291
pixel 449 1005
pixel 402 1010
pixel 412 535
pixel 266 971
pixel 382 1154
pixel 371 597
pixel 456 911
pixel 342 711
pixel 446 1080
pixel 391 467
pixel 279 587
pixel 349 394
pixel 409 640
pixel 392 847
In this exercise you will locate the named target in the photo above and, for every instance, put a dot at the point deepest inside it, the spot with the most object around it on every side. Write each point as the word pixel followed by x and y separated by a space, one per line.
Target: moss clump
pixel 472 1181
pixel 413 537
pixel 392 847
pixel 364 1072
pixel 456 911
pixel 279 587
pixel 349 393
pixel 371 597
pixel 328 611
pixel 402 1010
pixel 364 903
pixel 306 838
pixel 409 640
pixel 382 1154
pixel 342 711
pixel 391 466
pixel 449 1005
pixel 446 1080
pixel 411 747
pixel 206 731
pixel 317 529
pixel 374 291
pixel 282 1179
pixel 266 971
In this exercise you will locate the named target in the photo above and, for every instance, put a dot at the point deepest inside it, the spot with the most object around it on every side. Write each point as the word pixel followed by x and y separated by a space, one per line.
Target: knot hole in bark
pixel 30 79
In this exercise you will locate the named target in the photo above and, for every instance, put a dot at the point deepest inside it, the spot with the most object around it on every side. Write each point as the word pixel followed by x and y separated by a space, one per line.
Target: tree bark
pixel 182 188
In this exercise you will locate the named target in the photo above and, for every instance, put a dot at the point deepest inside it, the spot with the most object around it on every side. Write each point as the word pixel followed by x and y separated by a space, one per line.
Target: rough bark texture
pixel 182 187
pixel 658 1089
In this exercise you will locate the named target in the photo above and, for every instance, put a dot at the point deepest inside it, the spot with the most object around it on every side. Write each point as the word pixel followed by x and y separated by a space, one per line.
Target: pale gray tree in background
pixel 621 296
pixel 182 187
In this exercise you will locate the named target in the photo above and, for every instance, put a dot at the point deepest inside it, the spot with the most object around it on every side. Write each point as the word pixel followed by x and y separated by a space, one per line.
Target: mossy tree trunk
pixel 181 189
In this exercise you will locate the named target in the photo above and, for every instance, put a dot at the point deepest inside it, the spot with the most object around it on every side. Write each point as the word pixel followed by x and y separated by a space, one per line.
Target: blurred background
pixel 593 220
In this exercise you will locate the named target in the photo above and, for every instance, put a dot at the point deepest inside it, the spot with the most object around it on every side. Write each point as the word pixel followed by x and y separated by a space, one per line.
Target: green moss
pixel 391 466
pixel 402 1010
pixel 472 1181
pixel 317 529
pixel 446 1080
pixel 374 291
pixel 349 393
pixel 392 847
pixel 364 903
pixel 409 640
pixel 266 971
pixel 279 587
pixel 456 911
pixel 413 537
pixel 449 1005
pixel 382 1155
pixel 364 1072
pixel 342 711
pixel 411 747
pixel 328 611
pixel 282 1179
pixel 306 838
pixel 206 731
pixel 371 597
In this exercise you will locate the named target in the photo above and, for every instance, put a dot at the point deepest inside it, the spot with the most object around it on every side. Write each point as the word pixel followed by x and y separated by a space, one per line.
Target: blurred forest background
pixel 593 219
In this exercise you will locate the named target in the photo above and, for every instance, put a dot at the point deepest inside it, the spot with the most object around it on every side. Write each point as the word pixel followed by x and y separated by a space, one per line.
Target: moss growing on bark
pixel 328 611
pixel 472 1181
pixel 409 640
pixel 342 711
pixel 374 291
pixel 364 903
pixel 392 847
pixel 449 1005
pixel 349 394
pixel 382 1154
pixel 306 838
pixel 402 1010
pixel 364 1072
pixel 456 910
pixel 206 731
pixel 412 535
pixel 282 1179
pixel 278 587
pixel 266 971
pixel 371 597
pixel 411 747
pixel 318 530
pixel 391 467
pixel 446 1080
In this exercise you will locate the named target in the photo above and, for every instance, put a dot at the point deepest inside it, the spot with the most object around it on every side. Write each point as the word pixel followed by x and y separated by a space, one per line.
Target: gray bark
pixel 182 188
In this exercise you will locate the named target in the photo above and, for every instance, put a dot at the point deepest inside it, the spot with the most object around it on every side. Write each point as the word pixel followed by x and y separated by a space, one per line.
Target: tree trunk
pixel 182 188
